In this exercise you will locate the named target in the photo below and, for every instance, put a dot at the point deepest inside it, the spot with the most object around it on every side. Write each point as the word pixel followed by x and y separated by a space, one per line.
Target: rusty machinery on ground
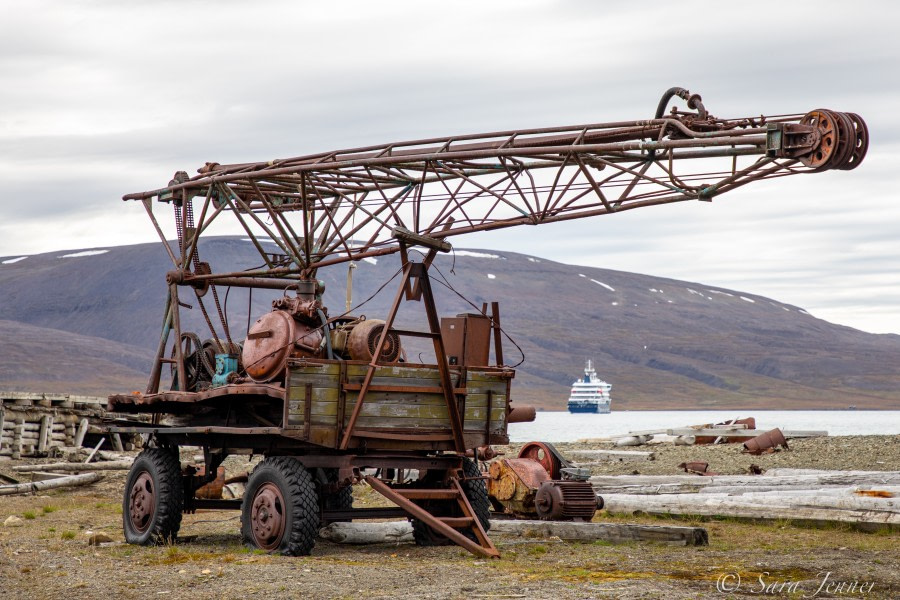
pixel 541 482
pixel 329 400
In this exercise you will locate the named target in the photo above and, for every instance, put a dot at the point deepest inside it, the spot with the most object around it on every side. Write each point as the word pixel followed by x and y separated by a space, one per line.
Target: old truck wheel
pixel 476 493
pixel 280 509
pixel 154 497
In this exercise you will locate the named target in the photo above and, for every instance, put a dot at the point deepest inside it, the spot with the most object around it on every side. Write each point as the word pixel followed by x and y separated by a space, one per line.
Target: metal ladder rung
pixel 458 522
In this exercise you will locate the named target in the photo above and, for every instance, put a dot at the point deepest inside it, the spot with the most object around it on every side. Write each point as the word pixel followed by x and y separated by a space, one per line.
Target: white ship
pixel 590 394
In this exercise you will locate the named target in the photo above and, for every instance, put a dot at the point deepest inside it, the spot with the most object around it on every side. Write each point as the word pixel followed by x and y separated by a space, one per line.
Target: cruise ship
pixel 590 394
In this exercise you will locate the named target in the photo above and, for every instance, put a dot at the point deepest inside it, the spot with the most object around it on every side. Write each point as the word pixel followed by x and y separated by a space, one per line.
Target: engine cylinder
pixel 275 337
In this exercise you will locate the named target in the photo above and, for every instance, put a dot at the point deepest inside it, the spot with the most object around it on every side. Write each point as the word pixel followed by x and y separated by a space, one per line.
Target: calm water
pixel 566 427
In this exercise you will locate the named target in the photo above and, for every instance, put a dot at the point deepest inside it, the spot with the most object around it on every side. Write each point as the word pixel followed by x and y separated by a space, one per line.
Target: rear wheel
pixel 154 498
pixel 280 509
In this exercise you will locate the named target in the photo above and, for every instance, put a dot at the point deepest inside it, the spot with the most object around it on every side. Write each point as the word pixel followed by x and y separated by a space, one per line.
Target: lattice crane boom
pixel 346 205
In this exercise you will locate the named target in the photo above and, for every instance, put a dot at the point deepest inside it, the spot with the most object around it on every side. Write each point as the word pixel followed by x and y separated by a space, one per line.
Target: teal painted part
pixel 226 364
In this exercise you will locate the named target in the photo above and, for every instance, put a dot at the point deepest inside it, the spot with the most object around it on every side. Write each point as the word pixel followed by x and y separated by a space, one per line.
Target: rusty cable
pixel 450 287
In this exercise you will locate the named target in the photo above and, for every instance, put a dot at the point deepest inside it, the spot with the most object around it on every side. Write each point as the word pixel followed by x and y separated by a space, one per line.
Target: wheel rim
pixel 142 502
pixel 267 518
pixel 540 452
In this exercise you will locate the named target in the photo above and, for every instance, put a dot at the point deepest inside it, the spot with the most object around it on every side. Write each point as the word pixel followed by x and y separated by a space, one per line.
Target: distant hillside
pixel 50 360
pixel 662 343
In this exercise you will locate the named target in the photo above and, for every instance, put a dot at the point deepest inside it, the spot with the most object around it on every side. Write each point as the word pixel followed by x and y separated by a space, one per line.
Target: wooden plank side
pixel 397 371
pixel 388 410
pixel 325 411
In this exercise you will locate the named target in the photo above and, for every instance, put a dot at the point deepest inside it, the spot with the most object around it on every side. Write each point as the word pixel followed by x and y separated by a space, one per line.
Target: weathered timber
pixel 661 488
pixel 67 466
pixel 37 486
pixel 872 511
pixel 394 532
pixel 854 490
pixel 811 481
pixel 634 440
pixel 727 432
pixel 608 532
pixel 401 531
pixel 783 472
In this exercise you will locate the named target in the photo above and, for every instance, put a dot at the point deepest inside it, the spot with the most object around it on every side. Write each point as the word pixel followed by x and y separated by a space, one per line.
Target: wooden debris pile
pixel 38 425
pixel 729 432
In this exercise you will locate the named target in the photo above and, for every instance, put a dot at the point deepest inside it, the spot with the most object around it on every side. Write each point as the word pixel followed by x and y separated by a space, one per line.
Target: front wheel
pixel 154 498
pixel 280 509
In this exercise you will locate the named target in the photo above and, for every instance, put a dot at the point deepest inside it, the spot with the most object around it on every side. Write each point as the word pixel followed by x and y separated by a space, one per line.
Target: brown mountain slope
pixel 662 343
pixel 49 360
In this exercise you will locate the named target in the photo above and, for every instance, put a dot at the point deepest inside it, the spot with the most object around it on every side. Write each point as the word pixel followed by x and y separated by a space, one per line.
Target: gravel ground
pixel 48 555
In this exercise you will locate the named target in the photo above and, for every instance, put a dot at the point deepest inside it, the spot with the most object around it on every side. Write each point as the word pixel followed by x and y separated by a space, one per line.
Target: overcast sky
pixel 102 98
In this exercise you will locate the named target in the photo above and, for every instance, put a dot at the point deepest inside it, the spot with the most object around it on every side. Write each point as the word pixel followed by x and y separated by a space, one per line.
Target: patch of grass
pixel 174 555
pixel 29 514
pixel 537 550
pixel 52 530
pixel 113 507
pixel 67 535
pixel 49 508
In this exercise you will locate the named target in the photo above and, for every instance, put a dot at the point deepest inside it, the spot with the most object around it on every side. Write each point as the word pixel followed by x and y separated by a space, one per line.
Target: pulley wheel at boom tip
pixel 862 142
pixel 846 140
pixel 824 121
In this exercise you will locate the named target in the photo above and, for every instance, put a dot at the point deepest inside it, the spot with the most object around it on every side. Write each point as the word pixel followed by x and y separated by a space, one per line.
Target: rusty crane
pixel 331 400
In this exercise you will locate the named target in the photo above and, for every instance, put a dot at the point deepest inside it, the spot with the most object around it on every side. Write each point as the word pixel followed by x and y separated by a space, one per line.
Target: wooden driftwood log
pixel 119 465
pixel 812 480
pixel 608 532
pixel 861 510
pixel 368 533
pixel 401 531
pixel 37 486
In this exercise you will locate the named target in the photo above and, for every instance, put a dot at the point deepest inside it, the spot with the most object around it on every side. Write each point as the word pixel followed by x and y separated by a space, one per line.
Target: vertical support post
pixel 307 411
pixel 45 433
pixel 453 406
pixel 342 402
pixel 156 372
pixel 18 434
pixel 176 324
pixel 495 325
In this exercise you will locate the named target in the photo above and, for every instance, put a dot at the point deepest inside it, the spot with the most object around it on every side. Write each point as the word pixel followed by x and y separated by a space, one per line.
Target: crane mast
pixel 345 205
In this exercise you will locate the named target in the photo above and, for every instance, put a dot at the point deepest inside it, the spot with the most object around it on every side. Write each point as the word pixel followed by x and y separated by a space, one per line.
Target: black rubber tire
pixel 301 510
pixel 342 500
pixel 166 486
pixel 476 493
